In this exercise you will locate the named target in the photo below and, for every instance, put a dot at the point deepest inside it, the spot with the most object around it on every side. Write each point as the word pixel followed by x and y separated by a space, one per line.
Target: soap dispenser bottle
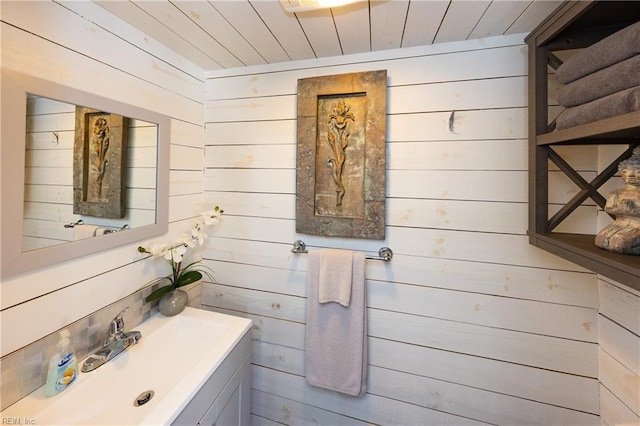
pixel 63 366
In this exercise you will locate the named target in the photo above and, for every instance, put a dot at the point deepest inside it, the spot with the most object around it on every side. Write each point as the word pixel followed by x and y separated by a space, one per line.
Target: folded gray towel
pixel 618 103
pixel 612 79
pixel 610 50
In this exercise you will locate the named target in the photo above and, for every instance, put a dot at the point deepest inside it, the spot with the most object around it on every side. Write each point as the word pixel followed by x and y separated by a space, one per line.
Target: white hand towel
pixel 81 232
pixel 336 336
pixel 335 276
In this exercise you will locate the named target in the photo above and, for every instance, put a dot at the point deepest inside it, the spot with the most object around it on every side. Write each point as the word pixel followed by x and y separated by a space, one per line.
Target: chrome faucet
pixel 114 344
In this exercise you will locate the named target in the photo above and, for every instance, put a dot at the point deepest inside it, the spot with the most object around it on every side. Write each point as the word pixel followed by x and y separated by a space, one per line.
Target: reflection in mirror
pixel 40 200
pixel 49 217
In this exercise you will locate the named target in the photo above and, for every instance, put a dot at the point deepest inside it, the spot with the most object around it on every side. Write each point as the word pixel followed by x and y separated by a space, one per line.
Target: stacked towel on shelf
pixel 601 81
pixel 610 50
pixel 615 78
pixel 336 335
pixel 609 106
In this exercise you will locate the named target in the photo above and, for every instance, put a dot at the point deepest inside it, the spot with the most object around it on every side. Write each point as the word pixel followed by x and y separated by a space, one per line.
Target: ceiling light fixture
pixel 292 6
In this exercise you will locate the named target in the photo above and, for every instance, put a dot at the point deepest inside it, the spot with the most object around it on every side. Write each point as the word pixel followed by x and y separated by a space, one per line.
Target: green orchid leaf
pixel 191 265
pixel 159 293
pixel 204 269
pixel 188 278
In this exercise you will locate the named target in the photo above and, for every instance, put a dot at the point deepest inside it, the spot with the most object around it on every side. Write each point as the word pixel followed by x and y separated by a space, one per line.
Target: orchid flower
pixel 174 254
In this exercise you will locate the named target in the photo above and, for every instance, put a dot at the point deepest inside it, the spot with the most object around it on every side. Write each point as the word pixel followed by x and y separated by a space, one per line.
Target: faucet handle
pixel 117 324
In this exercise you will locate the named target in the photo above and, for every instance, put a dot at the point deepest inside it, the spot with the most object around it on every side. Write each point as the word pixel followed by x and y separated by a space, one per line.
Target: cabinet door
pixel 231 377
pixel 230 414
pixel 235 398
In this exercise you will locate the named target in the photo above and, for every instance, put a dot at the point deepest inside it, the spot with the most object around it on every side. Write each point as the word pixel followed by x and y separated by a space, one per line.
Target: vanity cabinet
pixel 224 399
pixel 575 25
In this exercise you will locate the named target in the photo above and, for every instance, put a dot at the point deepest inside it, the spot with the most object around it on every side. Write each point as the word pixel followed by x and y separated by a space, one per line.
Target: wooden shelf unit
pixel 574 25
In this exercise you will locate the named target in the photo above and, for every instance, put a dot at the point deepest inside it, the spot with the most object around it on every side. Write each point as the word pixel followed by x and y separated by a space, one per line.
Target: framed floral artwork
pixel 341 155
pixel 99 168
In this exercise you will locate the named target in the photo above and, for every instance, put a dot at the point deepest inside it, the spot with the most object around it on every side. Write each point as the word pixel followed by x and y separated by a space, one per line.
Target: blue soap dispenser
pixel 63 366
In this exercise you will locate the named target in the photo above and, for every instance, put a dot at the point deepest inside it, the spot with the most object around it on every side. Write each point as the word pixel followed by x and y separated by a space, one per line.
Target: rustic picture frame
pixel 99 169
pixel 341 155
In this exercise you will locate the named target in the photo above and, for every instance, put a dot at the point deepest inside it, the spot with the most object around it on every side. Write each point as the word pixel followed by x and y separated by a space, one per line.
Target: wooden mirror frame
pixel 15 87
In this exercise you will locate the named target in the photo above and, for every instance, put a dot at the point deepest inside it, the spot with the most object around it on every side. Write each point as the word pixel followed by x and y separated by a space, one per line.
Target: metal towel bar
pixel 385 253
pixel 108 230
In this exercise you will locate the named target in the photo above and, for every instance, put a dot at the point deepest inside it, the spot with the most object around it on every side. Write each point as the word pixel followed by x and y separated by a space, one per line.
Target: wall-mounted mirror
pixel 49 154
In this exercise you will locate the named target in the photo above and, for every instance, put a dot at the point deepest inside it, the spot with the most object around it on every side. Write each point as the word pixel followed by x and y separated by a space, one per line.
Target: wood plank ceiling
pixel 219 34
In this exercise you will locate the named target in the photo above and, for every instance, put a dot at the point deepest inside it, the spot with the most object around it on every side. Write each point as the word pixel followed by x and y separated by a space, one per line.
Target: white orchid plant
pixel 174 255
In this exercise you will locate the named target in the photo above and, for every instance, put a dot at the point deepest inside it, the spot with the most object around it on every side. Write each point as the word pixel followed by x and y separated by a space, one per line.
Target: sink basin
pixel 173 359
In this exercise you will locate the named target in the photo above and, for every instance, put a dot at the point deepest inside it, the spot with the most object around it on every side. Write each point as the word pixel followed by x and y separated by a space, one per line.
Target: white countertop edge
pixel 169 406
pixel 173 404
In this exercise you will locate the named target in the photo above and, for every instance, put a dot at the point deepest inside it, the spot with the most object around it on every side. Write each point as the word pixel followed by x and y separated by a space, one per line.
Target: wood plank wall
pixel 80 45
pixel 468 324
pixel 619 354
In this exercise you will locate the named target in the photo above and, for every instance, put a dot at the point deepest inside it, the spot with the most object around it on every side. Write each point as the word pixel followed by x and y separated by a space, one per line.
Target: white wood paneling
pixel 91 50
pixel 537 11
pixel 620 343
pixel 613 412
pixel 490 407
pixel 371 408
pixel 188 133
pixel 619 336
pixel 468 125
pixel 210 38
pixel 142 41
pixel 289 33
pixel 387 23
pixel 412 371
pixel 258 157
pixel 459 184
pixel 138 18
pixel 423 22
pixel 58 63
pixel 244 18
pixel 507 218
pixel 467 318
pixel 563 287
pixel 460 20
pixel 186 158
pixel 491 375
pixel 267 405
pixel 436 64
pixel 352 24
pixel 541 351
pixel 253 132
pixel 498 17
pixel 620 305
pixel 427 336
pixel 504 92
pixel 490 311
pixel 205 15
pixel 243 180
pixel 320 30
pixel 186 182
pixel 92 40
pixel 621 381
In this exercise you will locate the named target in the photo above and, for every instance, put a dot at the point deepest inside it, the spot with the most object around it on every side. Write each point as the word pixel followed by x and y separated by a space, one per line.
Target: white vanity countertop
pixel 174 358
